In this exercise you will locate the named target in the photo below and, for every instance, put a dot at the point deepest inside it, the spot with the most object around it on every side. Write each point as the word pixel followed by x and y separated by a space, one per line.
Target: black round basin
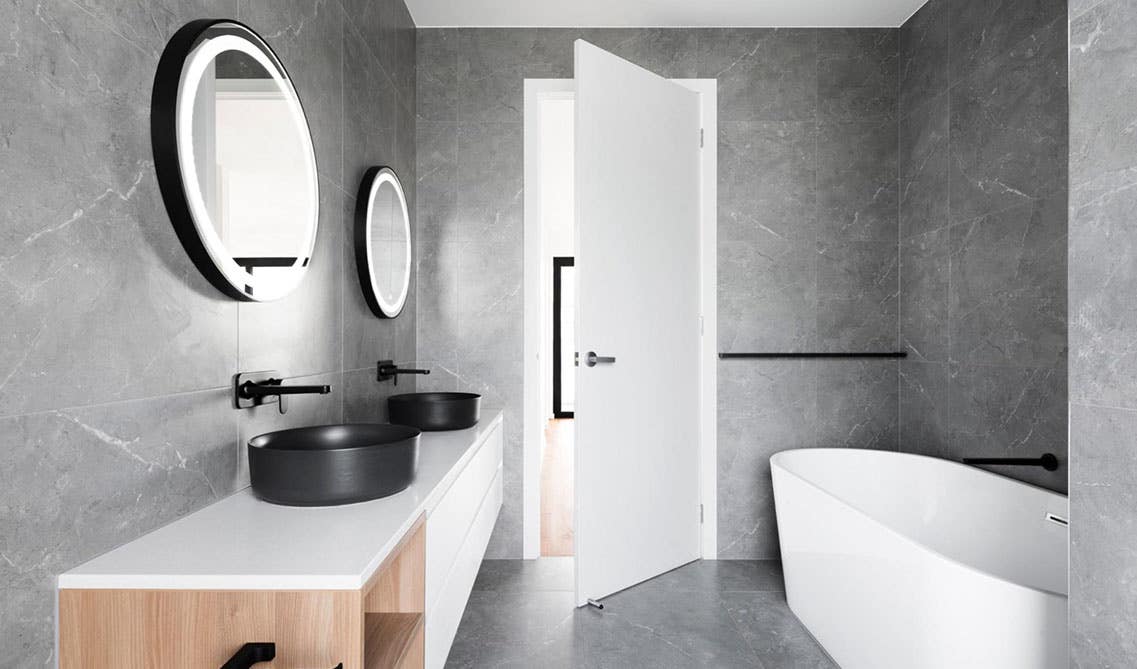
pixel 333 464
pixel 435 411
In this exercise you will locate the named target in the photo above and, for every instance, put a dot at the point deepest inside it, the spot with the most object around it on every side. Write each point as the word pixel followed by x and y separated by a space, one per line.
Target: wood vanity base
pixel 202 629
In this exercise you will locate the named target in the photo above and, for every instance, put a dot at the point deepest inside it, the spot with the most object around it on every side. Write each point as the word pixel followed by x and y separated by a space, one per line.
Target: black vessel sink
pixel 333 464
pixel 435 411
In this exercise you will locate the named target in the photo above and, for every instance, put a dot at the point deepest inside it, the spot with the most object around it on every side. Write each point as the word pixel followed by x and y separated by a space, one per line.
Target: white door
pixel 637 225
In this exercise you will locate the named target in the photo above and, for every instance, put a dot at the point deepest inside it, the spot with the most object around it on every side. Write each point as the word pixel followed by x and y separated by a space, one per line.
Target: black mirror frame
pixel 164 144
pixel 361 226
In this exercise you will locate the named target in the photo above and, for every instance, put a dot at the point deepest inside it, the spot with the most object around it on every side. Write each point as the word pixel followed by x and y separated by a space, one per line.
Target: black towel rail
pixel 1048 461
pixel 870 354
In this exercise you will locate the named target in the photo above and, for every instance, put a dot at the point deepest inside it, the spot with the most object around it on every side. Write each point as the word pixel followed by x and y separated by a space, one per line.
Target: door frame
pixel 559 263
pixel 533 410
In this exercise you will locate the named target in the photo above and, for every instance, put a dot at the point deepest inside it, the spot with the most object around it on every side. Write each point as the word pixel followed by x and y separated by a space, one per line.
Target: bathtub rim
pixel 908 539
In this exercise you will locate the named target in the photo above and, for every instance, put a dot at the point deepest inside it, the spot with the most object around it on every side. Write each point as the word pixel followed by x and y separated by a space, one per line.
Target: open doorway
pixel 557 463
pixel 558 311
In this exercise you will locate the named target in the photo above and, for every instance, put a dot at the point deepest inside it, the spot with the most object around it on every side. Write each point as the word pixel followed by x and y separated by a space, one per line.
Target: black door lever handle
pixel 592 359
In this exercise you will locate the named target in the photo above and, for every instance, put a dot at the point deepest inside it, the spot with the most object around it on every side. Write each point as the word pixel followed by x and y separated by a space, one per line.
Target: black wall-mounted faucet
pixel 257 388
pixel 387 369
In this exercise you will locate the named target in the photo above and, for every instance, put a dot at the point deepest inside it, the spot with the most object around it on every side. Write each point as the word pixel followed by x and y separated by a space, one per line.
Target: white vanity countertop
pixel 243 543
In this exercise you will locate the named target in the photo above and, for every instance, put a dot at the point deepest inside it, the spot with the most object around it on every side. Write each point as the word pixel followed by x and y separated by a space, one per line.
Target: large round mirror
pixel 383 242
pixel 234 159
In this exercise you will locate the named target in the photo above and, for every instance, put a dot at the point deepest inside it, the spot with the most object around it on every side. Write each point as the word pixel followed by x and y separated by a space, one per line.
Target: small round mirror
pixel 383 242
pixel 234 159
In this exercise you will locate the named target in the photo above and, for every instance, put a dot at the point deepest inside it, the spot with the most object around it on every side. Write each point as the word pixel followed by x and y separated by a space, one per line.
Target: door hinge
pixel 700 514
pixel 702 327
pixel 700 138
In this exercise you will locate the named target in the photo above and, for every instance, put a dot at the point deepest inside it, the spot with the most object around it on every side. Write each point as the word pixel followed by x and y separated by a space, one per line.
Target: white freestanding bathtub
pixel 909 562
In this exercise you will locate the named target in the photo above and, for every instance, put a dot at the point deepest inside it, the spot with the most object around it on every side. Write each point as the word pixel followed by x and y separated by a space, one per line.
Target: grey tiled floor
pixel 725 613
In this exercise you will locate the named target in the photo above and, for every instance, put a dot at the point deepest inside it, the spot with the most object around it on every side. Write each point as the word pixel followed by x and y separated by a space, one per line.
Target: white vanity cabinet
pixel 379 584
pixel 457 532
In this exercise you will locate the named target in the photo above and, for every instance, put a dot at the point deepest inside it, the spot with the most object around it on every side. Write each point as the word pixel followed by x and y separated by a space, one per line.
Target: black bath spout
pixel 387 369
pixel 1048 461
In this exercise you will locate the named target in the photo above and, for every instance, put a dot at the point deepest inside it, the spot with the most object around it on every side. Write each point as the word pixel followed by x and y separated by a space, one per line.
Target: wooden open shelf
pixel 392 640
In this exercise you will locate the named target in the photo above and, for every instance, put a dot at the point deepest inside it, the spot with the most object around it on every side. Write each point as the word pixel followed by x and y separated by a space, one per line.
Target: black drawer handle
pixel 252 653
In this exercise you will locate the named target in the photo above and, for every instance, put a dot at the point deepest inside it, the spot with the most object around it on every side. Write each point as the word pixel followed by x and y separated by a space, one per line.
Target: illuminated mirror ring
pixel 383 242
pixel 235 161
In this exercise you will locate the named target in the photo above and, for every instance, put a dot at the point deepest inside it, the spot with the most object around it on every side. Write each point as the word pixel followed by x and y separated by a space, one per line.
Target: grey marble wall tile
pixel 857 404
pixel 983 30
pixel 923 59
pixel 1103 177
pixel 490 178
pixel 79 482
pixel 148 25
pixel 923 166
pixel 857 181
pixel 494 63
pixel 924 418
pixel 668 52
pixel 767 175
pixel 437 75
pixel 1010 412
pixel 101 303
pixel 767 295
pixel 370 110
pixel 763 74
pixel 388 31
pixel 1103 277
pixel 441 379
pixel 857 74
pixel 1076 8
pixel 402 64
pixel 767 407
pixel 300 333
pixel 1103 537
pixel 1008 279
pixel 437 187
pixel 365 398
pixel 766 181
pixel 308 37
pixel 857 296
pixel 924 296
pixel 406 152
pixel 1009 129
pixel 438 320
pixel 1102 51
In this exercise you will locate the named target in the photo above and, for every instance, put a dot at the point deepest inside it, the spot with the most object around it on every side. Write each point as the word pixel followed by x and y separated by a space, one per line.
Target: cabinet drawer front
pixel 450 522
pixel 443 617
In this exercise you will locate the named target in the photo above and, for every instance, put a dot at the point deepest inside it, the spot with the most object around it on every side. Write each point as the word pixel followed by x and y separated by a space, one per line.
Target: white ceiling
pixel 662 13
